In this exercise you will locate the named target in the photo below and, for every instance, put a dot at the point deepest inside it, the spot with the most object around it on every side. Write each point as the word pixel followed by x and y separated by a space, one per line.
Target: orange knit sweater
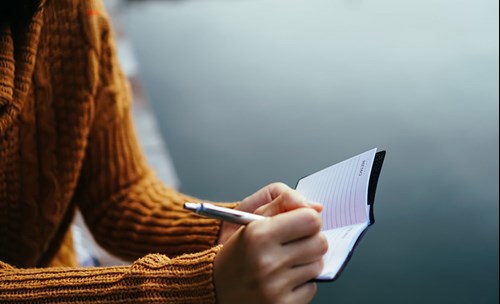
pixel 66 142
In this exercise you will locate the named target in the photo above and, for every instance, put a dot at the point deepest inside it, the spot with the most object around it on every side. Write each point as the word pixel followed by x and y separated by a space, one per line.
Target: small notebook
pixel 347 192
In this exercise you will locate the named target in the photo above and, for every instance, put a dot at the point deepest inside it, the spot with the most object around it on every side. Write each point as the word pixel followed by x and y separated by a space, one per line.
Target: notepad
pixel 347 192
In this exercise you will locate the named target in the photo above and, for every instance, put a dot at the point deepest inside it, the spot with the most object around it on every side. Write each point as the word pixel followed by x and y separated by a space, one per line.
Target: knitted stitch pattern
pixel 66 142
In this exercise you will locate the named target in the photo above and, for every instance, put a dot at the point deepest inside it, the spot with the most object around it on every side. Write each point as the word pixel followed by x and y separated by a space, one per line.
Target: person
pixel 67 142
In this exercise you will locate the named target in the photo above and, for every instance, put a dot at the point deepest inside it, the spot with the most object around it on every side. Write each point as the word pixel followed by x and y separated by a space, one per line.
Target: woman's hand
pixel 272 260
pixel 271 200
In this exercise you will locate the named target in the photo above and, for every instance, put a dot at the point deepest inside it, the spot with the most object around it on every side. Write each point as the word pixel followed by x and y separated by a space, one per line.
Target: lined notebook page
pixel 342 189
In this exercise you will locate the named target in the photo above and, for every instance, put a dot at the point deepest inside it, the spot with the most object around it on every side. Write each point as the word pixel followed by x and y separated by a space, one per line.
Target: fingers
pixel 272 260
pixel 276 189
pixel 295 225
pixel 305 251
pixel 305 273
pixel 300 288
pixel 303 290
pixel 263 196
pixel 272 191
pixel 303 294
pixel 287 201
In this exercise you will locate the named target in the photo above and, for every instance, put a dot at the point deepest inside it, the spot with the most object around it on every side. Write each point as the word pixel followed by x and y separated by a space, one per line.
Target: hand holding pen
pixel 275 256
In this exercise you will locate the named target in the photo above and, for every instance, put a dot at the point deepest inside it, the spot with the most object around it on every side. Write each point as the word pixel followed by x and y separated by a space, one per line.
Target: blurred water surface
pixel 249 92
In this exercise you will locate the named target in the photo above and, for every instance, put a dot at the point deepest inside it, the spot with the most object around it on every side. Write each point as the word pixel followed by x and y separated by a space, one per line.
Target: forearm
pixel 149 217
pixel 154 278
pixel 130 211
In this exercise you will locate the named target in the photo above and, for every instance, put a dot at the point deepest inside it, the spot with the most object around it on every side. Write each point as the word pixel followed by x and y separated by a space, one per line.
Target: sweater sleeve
pixel 129 211
pixel 154 278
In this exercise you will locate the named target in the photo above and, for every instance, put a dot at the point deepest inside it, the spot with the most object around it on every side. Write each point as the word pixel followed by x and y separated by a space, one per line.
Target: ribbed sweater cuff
pixel 154 278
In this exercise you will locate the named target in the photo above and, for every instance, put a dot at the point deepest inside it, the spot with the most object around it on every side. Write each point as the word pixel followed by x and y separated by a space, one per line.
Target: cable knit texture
pixel 66 142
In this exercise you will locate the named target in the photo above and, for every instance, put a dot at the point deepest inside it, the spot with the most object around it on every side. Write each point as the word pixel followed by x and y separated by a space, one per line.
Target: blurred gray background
pixel 248 92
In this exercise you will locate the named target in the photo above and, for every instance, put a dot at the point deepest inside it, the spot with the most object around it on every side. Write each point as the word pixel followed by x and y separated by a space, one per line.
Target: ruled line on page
pixel 342 189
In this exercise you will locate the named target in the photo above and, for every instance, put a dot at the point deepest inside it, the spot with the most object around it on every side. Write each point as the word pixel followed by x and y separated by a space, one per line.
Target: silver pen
pixel 222 213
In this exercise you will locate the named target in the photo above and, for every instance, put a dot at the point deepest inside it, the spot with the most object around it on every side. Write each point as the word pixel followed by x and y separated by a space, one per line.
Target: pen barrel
pixel 228 215
pixel 224 214
pixel 236 218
